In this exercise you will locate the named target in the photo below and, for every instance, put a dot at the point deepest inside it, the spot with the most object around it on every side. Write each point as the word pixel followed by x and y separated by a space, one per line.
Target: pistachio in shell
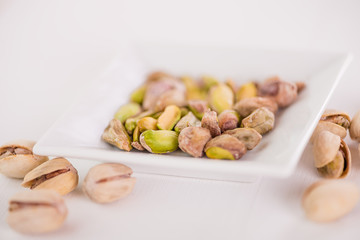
pixel 246 106
pixel 225 147
pixel 338 117
pixel 228 119
pixel 355 127
pixel 159 141
pixel 192 140
pixel 210 121
pixel 147 123
pixel 220 97
pixel 126 111
pixel 169 117
pixel 189 120
pixel 249 136
pixel 262 120
pixel 115 134
pixel 198 107
pixel 247 90
pixel 329 200
pixel 57 174
pixel 17 158
pixel 328 126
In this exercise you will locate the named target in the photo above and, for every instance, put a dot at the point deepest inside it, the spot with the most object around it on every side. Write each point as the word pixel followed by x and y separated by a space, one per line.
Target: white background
pixel 51 50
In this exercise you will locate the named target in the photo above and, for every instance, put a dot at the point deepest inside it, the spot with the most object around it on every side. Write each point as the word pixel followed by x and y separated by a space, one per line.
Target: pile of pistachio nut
pixel 328 200
pixel 42 208
pixel 218 118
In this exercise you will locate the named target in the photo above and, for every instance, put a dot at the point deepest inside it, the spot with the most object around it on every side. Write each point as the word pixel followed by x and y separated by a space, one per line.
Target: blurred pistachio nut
pixel 228 119
pixel 17 158
pixel 116 135
pixel 169 117
pixel 210 121
pixel 192 89
pixel 108 182
pixel 159 141
pixel 332 156
pixel 328 126
pixel 57 174
pixel 225 147
pixel 126 111
pixel 231 84
pixel 35 212
pixel 248 90
pixel 172 97
pixel 147 123
pixel 137 96
pixel 329 200
pixel 158 75
pixel 198 107
pixel 136 138
pixel 192 140
pixel 206 82
pixel 338 117
pixel 249 136
pixel 188 120
pixel 184 111
pixel 153 91
pixel 355 127
pixel 247 105
pixel 131 123
pixel 220 97
pixel 262 120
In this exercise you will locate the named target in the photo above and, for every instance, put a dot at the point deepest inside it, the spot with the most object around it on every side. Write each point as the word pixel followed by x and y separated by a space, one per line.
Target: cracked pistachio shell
pixel 57 174
pixel 147 123
pixel 355 127
pixel 17 158
pixel 220 97
pixel 137 96
pixel 126 111
pixel 262 120
pixel 225 147
pixel 172 97
pixel 328 126
pixel 131 123
pixel 228 119
pixel 249 136
pixel 248 90
pixel 198 107
pixel 169 117
pixel 135 143
pixel 325 148
pixel 115 134
pixel 189 120
pixel 192 140
pixel 329 200
pixel 337 117
pixel 246 106
pixel 159 141
pixel 35 212
pixel 108 182
pixel 210 121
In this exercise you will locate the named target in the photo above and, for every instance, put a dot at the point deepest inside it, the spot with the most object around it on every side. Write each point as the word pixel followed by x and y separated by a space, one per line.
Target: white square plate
pixel 77 133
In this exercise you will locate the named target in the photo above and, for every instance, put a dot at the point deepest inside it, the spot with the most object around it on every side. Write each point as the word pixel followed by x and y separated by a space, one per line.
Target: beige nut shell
pixel 333 112
pixel 325 148
pixel 355 127
pixel 328 126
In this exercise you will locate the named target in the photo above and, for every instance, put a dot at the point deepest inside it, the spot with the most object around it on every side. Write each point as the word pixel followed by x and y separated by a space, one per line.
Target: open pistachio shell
pixel 337 117
pixel 333 169
pixel 116 135
pixel 246 106
pixel 328 126
pixel 355 127
pixel 225 147
pixel 249 136
pixel 325 148
pixel 17 158
pixel 262 120
pixel 221 97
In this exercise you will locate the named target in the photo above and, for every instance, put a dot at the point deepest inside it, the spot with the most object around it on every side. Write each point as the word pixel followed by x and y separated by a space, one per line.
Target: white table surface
pixel 50 50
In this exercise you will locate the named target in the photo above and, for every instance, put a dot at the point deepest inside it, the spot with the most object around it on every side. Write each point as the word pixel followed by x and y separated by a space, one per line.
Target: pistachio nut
pixel 159 141
pixel 231 84
pixel 136 138
pixel 249 136
pixel 108 182
pixel 193 91
pixel 283 93
pixel 35 212
pixel 153 91
pixel 262 120
pixel 115 134
pixel 137 95
pixel 188 120
pixel 355 127
pixel 172 97
pixel 206 82
pixel 220 97
pixel 328 200
pixel 156 115
pixel 332 156
pixel 126 111
pixel 192 140
pixel 17 158
pixel 198 107
pixel 57 174
pixel 228 119
pixel 147 123
pixel 328 126
pixel 248 90
pixel 158 75
pixel 337 117
pixel 225 147
pixel 169 118
pixel 210 121
pixel 247 105
pixel 300 86
pixel 184 111
pixel 131 123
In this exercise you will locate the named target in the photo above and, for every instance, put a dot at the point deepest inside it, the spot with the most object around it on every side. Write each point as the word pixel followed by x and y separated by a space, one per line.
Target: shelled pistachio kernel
pixel 188 120
pixel 262 120
pixel 225 147
pixel 126 111
pixel 220 97
pixel 108 182
pixel 159 141
pixel 249 136
pixel 17 158
pixel 147 123
pixel 228 119
pixel 246 106
pixel 115 134
pixel 131 123
pixel 247 90
pixel 35 212
pixel 138 95
pixel 57 174
pixel 169 118
pixel 198 107
pixel 192 140
pixel 328 200
pixel 210 121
